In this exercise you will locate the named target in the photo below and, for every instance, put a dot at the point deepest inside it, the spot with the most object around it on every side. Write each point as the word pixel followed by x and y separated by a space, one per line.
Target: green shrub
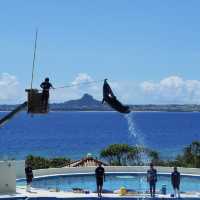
pixel 38 162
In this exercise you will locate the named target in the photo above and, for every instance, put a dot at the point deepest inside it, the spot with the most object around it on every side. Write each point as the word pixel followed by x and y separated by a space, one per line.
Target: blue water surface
pixel 74 134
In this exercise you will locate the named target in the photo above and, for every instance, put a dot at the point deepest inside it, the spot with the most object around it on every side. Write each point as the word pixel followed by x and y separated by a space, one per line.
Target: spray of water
pixel 139 141
pixel 131 126
pixel 137 137
pixel 133 132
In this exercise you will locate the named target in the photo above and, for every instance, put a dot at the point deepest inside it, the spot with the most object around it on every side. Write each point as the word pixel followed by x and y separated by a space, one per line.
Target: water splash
pixel 133 132
pixel 139 141
pixel 131 126
pixel 137 136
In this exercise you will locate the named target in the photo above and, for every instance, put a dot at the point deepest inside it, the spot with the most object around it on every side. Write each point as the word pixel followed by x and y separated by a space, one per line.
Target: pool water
pixel 113 182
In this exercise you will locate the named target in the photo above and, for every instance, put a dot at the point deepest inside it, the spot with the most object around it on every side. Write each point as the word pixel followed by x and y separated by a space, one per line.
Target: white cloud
pixel 7 79
pixel 9 88
pixel 148 87
pixel 82 83
pixel 172 89
pixel 169 90
pixel 82 78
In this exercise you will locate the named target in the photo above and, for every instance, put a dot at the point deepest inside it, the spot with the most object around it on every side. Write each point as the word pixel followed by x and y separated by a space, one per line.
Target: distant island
pixel 88 103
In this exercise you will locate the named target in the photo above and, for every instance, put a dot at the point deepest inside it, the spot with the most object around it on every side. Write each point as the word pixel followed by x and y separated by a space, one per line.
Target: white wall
pixel 66 170
pixel 20 168
pixel 7 177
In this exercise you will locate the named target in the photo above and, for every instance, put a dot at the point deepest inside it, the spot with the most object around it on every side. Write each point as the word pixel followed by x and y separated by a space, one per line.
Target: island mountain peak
pixel 85 100
pixel 88 103
pixel 88 98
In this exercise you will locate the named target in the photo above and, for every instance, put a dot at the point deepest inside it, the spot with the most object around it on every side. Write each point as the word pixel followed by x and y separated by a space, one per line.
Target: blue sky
pixel 137 44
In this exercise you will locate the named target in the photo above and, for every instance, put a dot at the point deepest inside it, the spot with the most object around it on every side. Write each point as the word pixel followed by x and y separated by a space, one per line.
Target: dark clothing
pixel 45 93
pixel 152 179
pixel 100 178
pixel 152 175
pixel 175 179
pixel 46 86
pixel 99 181
pixel 29 174
pixel 152 187
pixel 99 172
pixel 110 98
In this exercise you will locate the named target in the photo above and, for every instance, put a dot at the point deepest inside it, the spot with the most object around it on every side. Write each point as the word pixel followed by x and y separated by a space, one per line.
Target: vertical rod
pixel 34 56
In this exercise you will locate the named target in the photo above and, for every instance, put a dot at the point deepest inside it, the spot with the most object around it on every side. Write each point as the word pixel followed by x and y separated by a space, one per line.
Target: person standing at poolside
pixel 29 176
pixel 100 178
pixel 152 179
pixel 175 179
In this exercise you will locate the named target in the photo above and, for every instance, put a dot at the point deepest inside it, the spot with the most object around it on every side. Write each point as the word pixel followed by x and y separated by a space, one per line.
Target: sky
pixel 148 50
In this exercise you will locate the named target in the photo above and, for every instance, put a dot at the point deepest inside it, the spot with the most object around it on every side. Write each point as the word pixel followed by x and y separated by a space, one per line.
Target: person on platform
pixel 46 86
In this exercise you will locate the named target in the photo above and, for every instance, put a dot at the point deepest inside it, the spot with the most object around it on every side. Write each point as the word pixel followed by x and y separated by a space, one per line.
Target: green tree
pixel 195 150
pixel 124 154
pixel 154 156
pixel 116 154
pixel 38 162
pixel 59 162
pixel 190 156
pixel 134 155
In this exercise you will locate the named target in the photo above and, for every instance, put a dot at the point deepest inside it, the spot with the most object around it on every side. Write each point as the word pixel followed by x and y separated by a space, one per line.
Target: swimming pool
pixel 134 181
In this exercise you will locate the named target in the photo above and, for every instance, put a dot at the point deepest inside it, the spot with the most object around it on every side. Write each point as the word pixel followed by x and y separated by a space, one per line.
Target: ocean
pixel 74 134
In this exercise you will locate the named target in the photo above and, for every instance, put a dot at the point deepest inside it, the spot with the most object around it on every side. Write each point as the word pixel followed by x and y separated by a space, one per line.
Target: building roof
pixel 86 162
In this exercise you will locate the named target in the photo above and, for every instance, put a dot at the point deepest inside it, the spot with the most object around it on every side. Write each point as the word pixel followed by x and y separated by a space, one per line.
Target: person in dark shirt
pixel 46 86
pixel 100 178
pixel 152 179
pixel 175 180
pixel 29 176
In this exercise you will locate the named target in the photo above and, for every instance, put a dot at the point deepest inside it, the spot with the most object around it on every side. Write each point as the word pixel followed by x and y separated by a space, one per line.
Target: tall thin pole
pixel 34 56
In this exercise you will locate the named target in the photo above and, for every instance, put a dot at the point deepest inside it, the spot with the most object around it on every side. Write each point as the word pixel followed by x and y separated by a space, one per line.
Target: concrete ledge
pixel 128 169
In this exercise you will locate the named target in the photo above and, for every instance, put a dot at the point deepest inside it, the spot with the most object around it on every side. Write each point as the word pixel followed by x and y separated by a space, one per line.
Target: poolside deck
pixel 40 193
